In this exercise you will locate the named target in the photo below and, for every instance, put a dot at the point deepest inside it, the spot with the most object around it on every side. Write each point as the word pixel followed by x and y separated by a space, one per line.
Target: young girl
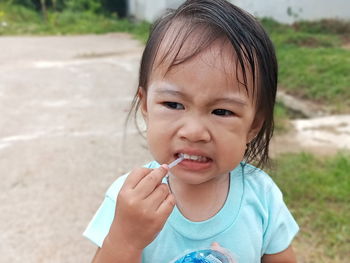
pixel 207 90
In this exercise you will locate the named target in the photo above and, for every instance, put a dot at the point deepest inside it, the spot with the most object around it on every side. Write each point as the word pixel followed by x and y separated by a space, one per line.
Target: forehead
pixel 183 41
pixel 194 54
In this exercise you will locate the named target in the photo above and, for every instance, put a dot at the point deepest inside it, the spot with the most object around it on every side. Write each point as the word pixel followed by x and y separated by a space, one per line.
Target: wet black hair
pixel 208 21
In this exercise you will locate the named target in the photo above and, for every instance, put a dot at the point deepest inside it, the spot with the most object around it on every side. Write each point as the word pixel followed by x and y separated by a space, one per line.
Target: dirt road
pixel 63 102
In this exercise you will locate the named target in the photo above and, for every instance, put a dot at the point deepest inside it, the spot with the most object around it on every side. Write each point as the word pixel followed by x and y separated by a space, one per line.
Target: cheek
pixel 154 145
pixel 232 147
pixel 158 139
pixel 231 156
pixel 231 144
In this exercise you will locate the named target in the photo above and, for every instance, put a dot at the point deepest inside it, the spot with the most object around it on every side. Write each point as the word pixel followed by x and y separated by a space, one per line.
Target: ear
pixel 143 102
pixel 255 127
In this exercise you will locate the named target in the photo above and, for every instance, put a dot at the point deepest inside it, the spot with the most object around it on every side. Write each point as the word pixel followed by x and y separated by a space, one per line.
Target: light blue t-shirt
pixel 253 221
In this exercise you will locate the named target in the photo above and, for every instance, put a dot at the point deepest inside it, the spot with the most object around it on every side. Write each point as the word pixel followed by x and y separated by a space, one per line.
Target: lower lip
pixel 194 166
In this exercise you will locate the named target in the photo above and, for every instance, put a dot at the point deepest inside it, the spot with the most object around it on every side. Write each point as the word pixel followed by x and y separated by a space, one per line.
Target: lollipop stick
pixel 176 162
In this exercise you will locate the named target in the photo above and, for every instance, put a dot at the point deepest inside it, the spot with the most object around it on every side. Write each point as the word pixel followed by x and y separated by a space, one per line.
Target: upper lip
pixel 193 152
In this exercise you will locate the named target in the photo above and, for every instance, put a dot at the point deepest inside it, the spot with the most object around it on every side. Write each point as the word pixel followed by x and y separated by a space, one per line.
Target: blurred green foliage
pixel 20 20
pixel 93 6
pixel 324 26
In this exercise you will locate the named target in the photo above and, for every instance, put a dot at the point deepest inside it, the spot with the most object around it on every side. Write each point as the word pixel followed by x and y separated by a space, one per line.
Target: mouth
pixel 193 158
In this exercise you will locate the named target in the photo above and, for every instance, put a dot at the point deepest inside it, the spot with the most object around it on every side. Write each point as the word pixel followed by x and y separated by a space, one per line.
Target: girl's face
pixel 195 109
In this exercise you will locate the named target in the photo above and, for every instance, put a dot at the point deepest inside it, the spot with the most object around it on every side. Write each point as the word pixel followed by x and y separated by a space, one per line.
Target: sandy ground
pixel 63 102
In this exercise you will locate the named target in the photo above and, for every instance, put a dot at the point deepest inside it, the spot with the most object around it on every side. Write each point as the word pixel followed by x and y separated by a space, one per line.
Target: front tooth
pixel 186 156
pixel 193 157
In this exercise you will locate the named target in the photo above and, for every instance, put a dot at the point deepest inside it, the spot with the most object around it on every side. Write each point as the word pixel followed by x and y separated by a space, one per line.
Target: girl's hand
pixel 143 205
pixel 216 246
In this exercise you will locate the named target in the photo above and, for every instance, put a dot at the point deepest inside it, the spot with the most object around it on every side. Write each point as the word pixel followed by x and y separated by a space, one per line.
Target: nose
pixel 194 129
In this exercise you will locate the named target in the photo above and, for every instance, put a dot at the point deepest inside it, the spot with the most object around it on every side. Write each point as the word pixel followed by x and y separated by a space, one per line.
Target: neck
pixel 201 201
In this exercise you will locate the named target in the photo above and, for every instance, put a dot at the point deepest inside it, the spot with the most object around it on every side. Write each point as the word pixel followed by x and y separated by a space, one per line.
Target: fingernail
pixel 165 166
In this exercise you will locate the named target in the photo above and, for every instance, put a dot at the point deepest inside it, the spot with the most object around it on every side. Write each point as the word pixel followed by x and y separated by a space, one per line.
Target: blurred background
pixel 68 72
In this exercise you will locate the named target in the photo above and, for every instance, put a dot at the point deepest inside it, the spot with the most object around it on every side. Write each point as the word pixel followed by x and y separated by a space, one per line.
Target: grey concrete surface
pixel 63 102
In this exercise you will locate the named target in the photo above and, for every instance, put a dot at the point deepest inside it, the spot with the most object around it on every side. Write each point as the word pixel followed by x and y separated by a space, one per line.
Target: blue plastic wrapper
pixel 204 256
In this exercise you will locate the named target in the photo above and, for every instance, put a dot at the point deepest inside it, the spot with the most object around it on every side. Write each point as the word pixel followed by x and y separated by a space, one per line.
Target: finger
pixel 166 207
pixel 135 176
pixel 148 183
pixel 158 196
pixel 215 246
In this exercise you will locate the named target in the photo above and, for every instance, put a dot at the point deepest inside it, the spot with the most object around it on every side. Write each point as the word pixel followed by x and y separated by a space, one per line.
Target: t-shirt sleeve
pixel 281 227
pixel 100 224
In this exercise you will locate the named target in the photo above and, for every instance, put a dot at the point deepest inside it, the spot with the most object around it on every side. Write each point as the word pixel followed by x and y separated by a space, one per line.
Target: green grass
pixel 313 63
pixel 18 20
pixel 317 190
pixel 320 74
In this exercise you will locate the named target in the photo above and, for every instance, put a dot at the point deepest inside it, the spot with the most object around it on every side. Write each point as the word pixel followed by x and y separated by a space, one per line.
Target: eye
pixel 173 105
pixel 223 112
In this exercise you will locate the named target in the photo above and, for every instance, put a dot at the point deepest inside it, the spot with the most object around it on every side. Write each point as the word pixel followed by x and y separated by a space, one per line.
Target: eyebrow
pixel 228 100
